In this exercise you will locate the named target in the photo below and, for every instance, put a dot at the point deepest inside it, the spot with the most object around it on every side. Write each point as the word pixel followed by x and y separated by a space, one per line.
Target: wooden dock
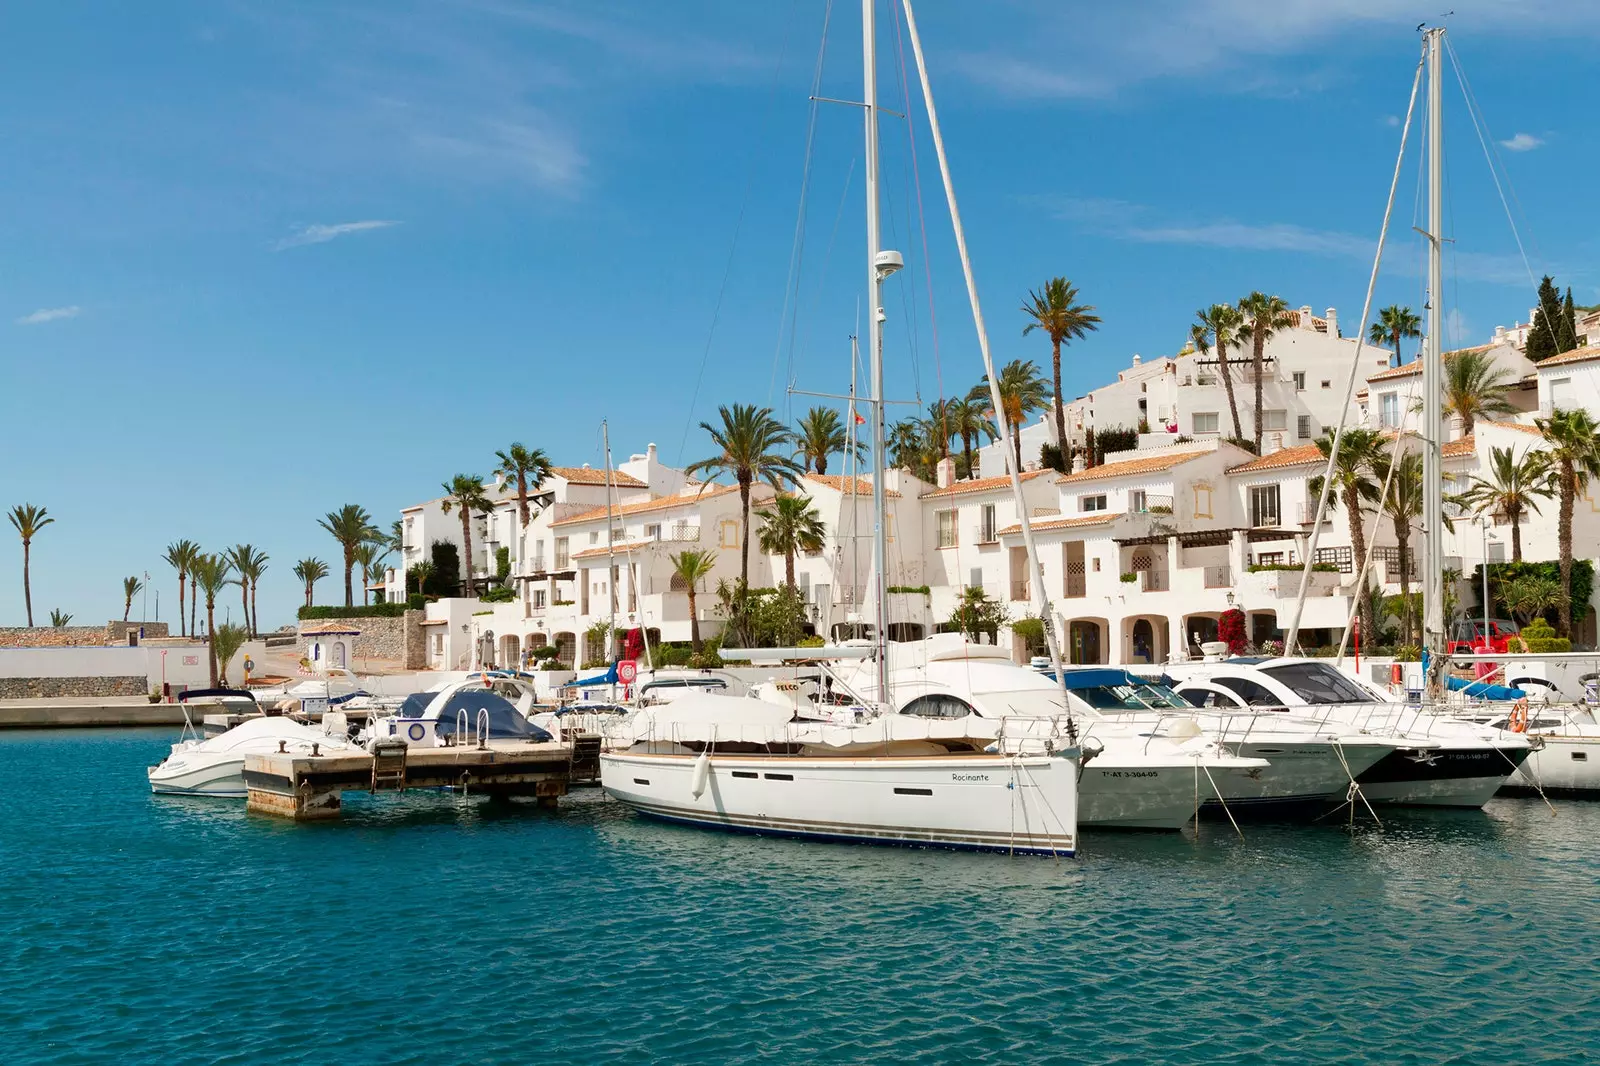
pixel 310 787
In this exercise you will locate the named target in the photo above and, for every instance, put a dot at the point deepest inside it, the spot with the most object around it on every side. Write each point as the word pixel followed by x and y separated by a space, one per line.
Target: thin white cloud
pixel 318 233
pixel 1392 121
pixel 1522 142
pixel 49 314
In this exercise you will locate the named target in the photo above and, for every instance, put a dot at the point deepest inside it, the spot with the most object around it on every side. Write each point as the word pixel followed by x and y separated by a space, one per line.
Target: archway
pixel 1142 642
pixel 511 651
pixel 1083 642
pixel 566 645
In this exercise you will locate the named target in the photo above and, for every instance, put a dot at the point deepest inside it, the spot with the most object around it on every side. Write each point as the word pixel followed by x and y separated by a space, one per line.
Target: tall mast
pixel 1433 621
pixel 880 264
pixel 611 558
pixel 854 465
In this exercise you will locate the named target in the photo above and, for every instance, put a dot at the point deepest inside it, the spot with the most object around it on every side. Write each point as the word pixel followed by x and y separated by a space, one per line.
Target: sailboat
pixel 740 764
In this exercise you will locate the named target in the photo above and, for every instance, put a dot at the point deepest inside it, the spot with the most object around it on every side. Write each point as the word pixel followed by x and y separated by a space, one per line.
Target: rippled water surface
pixel 435 930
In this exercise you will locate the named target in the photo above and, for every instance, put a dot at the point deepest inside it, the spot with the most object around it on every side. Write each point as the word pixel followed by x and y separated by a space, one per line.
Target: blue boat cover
pixel 1099 677
pixel 1483 690
pixel 505 721
pixel 607 678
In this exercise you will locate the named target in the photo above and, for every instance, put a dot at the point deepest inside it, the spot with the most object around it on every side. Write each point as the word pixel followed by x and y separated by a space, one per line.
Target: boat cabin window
pixel 1199 697
pixel 937 707
pixel 1253 693
pixel 1129 697
pixel 1319 683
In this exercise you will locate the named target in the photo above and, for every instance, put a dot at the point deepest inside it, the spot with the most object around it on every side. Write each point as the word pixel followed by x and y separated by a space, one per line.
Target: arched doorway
pixel 338 653
pixel 1143 642
pixel 511 652
pixel 1083 642
pixel 1199 629
pixel 566 645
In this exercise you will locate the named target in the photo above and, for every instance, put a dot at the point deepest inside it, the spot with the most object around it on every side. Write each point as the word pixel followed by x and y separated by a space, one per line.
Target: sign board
pixel 627 671
pixel 191 660
pixel 314 706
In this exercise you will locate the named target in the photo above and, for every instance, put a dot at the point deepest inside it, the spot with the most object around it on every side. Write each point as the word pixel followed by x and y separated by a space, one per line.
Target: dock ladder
pixel 389 766
pixel 585 765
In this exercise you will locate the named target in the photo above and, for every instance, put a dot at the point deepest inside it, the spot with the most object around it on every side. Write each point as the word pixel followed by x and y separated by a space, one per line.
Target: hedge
pixel 376 610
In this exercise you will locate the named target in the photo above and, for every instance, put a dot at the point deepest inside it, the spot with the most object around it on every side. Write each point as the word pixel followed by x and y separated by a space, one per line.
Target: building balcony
pixel 1148 503
pixel 1218 577
pixel 1155 581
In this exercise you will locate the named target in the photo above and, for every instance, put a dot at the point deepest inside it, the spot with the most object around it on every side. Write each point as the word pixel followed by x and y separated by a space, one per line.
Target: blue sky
pixel 259 259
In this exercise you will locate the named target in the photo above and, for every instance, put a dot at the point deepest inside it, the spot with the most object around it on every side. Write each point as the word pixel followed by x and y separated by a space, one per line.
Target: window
pixel 1327 384
pixel 1088 504
pixel 1389 410
pixel 563 560
pixel 1097 564
pixel 1561 392
pixel 1269 558
pixel 1274 421
pixel 1302 427
pixel 594 538
pixel 538 599
pixel 618 534
pixel 728 533
pixel 1299 381
pixel 1264 510
pixel 975 577
pixel 1255 694
pixel 947 529
pixel 1136 501
pixel 1202 501
pixel 986 526
pixel 939 706
pixel 652 532
pixel 1319 683
pixel 1205 421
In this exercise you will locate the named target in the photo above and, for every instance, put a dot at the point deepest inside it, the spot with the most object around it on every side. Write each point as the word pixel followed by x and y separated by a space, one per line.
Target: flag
pixel 859 420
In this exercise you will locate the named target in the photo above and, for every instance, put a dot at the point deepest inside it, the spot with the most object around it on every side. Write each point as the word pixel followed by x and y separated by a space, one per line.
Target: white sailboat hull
pixel 1566 764
pixel 1021 804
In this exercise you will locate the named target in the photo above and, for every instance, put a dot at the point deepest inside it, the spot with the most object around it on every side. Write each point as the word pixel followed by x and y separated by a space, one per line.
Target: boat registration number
pixel 1130 773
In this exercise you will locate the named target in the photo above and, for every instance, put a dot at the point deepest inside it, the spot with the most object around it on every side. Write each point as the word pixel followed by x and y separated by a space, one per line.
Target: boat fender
pixel 1518 723
pixel 701 775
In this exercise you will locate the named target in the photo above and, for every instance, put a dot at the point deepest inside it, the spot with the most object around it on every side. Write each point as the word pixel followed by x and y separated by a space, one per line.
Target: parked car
pixel 1467 637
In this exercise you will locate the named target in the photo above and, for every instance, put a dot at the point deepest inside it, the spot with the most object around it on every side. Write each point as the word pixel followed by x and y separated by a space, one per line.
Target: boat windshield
pixel 1319 683
pixel 1133 696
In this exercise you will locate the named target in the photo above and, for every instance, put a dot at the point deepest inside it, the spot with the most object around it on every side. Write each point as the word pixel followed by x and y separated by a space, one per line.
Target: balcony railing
pixel 1150 504
pixel 1218 577
pixel 563 561
pixel 1076 586
pixel 1154 581
pixel 1340 557
pixel 1390 556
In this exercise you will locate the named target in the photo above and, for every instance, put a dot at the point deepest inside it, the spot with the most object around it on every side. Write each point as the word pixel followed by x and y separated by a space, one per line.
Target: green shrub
pixel 502 563
pixel 498 595
pixel 416 602
pixel 1316 568
pixel 551 664
pixel 376 610
pixel 1129 578
pixel 671 656
pixel 909 589
pixel 544 652
pixel 1539 636
pixel 446 577
pixel 812 641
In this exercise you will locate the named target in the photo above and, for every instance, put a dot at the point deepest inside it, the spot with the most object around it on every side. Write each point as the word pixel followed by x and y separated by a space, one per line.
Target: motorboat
pixel 1444 761
pixel 215 766
pixel 473 711
pixel 214 711
pixel 1567 760
pixel 335 685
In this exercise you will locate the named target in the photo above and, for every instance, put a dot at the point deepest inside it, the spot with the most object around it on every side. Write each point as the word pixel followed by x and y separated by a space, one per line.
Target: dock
pixel 311 787
pixel 69 712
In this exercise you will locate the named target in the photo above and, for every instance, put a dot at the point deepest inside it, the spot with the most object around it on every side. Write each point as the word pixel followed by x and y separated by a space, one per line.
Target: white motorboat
pixel 744 764
pixel 480 708
pixel 215 766
pixel 1443 761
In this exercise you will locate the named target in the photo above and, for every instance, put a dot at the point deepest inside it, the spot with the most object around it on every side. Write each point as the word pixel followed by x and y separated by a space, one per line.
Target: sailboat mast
pixel 611 558
pixel 853 463
pixel 876 272
pixel 1433 620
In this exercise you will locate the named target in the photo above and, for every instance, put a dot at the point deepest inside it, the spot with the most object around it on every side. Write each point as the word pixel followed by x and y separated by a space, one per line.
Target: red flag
pixel 859 420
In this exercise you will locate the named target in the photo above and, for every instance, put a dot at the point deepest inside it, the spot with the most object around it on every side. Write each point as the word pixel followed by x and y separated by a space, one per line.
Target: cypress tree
pixel 1567 331
pixel 1542 336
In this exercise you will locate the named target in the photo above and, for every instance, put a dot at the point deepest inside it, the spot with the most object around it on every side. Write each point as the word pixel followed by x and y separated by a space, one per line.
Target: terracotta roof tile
pixel 1520 426
pixel 1415 366
pixel 328 629
pixel 1577 355
pixel 619 548
pixel 658 503
pixel 1455 448
pixel 1044 525
pixel 586 475
pixel 863 485
pixel 983 484
pixel 1299 455
pixel 1151 464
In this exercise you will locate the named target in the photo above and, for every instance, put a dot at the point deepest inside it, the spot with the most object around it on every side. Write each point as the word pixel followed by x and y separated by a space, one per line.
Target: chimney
pixel 1136 359
pixel 946 475
pixel 1078 464
pixel 1499 334
pixel 1305 317
pixel 1333 321
pixel 650 451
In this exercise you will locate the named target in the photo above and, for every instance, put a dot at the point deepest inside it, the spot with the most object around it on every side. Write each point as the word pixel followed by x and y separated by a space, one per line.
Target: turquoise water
pixel 434 930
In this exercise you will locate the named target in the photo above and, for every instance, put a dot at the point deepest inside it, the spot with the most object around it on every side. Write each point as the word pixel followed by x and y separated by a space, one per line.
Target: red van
pixel 1467 637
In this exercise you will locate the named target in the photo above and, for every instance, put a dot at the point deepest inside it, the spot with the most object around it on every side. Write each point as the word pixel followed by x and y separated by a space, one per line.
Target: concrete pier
pixel 75 712
pixel 310 788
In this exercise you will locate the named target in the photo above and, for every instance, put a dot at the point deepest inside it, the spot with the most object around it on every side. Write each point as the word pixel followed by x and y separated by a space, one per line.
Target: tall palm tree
pixel 395 540
pixel 912 445
pixel 820 434
pixel 350 525
pixel 790 527
pixel 1054 309
pixel 1221 326
pixel 1022 392
pixel 464 492
pixel 1394 324
pixel 310 571
pixel 28 520
pixel 420 572
pixel 1474 388
pixel 1264 315
pixel 965 419
pixel 131 587
pixel 1512 490
pixel 1403 506
pixel 180 556
pixel 1574 439
pixel 369 555
pixel 226 642
pixel 249 563
pixel 211 572
pixel 749 442
pixel 692 567
pixel 1361 456
pixel 524 467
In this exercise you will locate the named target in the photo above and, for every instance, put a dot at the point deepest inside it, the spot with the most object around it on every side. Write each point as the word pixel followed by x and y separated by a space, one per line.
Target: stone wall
pixel 76 636
pixel 19 688
pixel 380 638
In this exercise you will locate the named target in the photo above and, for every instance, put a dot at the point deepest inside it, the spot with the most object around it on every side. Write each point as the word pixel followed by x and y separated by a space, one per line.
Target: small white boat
pixel 1565 760
pixel 483 707
pixel 215 767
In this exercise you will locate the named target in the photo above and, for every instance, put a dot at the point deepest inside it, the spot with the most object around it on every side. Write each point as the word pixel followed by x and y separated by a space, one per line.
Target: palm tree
pixel 749 440
pixel 1022 392
pixel 420 572
pixel 350 525
pixel 395 541
pixel 1531 595
pixel 211 572
pixel 965 418
pixel 790 527
pixel 131 587
pixel 525 466
pixel 1512 489
pixel 691 567
pixel 1403 506
pixel 1221 326
pixel 28 520
pixel 1574 439
pixel 249 564
pixel 911 446
pixel 1264 316
pixel 1361 454
pixel 59 618
pixel 1055 310
pixel 465 492
pixel 821 433
pixel 369 555
pixel 1474 388
pixel 180 556
pixel 1394 323
pixel 226 642
pixel 310 571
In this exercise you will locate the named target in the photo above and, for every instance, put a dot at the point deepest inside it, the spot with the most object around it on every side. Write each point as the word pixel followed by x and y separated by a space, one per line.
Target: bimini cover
pixel 1098 678
pixel 505 721
pixel 607 678
pixel 1478 690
